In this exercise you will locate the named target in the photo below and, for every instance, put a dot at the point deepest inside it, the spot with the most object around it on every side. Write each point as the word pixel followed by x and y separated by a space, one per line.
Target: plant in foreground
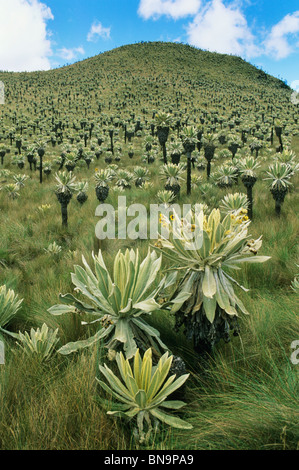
pixel 203 248
pixel 118 301
pixel 144 392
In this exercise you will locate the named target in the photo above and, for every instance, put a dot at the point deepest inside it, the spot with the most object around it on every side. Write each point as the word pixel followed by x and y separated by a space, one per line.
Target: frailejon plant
pixel 189 140
pixel 247 167
pixel 10 304
pixel 279 175
pixel 141 175
pixel 53 249
pixel 40 343
pixel 12 190
pixel 163 122
pixel 210 143
pixel 82 188
pixel 203 249
pixel 225 176
pixel 119 301
pixel 232 203
pixel 173 175
pixel 143 391
pixel 102 178
pixel 64 192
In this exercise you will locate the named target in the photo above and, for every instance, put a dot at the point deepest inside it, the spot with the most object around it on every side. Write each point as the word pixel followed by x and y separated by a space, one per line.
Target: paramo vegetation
pixel 182 342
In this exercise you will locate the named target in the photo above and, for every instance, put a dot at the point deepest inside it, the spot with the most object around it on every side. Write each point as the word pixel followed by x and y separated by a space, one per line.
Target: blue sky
pixel 43 34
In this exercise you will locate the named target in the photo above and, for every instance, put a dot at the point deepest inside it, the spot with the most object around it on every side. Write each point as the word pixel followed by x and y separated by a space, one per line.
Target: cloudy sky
pixel 39 35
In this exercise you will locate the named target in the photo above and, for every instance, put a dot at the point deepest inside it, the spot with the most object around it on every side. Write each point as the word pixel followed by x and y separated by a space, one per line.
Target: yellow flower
pixel 193 227
pixel 172 217
pixel 228 232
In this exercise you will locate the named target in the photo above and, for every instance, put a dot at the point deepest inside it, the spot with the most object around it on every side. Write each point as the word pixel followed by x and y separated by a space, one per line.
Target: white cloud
pixel 173 8
pixel 279 42
pixel 23 35
pixel 222 29
pixel 70 54
pixel 97 30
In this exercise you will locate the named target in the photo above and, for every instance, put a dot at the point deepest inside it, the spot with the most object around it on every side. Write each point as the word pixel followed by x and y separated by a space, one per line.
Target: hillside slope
pixel 148 75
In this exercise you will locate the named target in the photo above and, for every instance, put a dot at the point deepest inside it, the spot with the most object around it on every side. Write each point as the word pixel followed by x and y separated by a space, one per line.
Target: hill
pixel 145 76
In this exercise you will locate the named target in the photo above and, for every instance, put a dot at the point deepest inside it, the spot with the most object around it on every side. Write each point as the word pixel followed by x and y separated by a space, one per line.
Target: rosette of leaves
pixel 173 175
pixel 196 181
pixel 124 179
pixel 47 168
pixel 39 343
pixel 175 150
pixel 20 180
pixel 12 190
pixel 226 176
pixel 10 304
pixel 279 175
pixel 53 249
pixel 232 203
pixel 70 162
pixel 108 157
pixel 234 144
pixel 18 141
pixel 148 143
pixel 118 301
pixel 141 175
pixel 131 151
pixel 18 160
pixel 141 393
pixel 255 145
pixel 102 178
pixel 204 248
pixel 166 198
pixel 130 132
pixel 150 157
pixel 88 158
pixel 288 157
